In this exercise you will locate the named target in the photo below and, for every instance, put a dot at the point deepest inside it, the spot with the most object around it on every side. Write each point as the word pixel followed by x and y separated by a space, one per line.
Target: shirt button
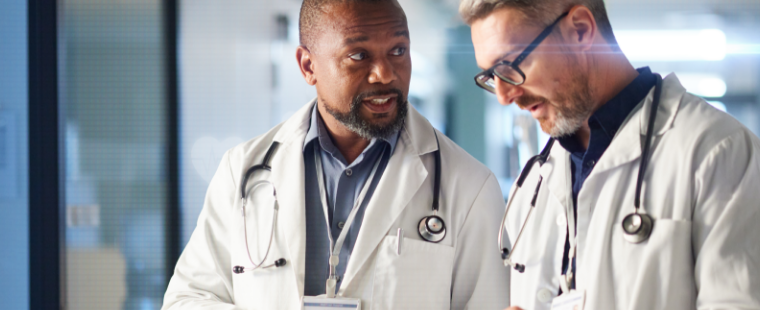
pixel 341 224
pixel 591 163
pixel 349 172
pixel 544 295
pixel 561 221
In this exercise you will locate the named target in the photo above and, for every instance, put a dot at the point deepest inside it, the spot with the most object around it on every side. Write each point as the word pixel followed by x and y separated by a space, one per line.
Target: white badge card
pixel 569 301
pixel 324 303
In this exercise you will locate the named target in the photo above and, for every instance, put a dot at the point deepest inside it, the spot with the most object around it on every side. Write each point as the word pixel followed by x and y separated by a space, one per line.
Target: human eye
pixel 358 56
pixel 398 51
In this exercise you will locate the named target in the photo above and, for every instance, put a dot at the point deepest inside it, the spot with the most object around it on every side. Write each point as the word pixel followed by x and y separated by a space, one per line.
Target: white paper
pixel 569 301
pixel 324 303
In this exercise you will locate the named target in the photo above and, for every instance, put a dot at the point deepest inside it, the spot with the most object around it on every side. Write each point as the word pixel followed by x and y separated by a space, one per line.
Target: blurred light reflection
pixel 672 45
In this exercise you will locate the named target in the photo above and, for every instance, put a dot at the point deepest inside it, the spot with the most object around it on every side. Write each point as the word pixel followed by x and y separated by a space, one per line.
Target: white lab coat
pixel 702 188
pixel 460 272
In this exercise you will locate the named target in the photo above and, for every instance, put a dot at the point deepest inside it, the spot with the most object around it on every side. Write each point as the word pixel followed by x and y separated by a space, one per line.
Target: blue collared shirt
pixel 604 124
pixel 343 183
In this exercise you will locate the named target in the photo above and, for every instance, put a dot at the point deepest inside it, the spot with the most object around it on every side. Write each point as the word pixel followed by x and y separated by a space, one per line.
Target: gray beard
pixel 355 122
pixel 566 125
pixel 571 117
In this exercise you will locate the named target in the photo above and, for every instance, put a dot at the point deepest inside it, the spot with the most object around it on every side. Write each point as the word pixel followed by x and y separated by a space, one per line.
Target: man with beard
pixel 374 207
pixel 648 198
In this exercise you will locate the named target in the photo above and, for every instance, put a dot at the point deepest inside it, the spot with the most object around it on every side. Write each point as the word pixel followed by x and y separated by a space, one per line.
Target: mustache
pixel 360 97
pixel 527 100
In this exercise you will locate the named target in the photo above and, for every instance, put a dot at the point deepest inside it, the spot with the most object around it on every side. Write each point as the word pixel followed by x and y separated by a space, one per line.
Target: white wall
pixel 227 58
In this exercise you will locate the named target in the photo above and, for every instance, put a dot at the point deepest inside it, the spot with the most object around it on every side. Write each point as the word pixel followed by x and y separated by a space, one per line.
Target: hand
pixel 514 308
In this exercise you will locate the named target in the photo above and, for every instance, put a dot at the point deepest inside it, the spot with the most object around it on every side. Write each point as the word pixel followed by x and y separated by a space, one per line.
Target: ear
pixel 582 30
pixel 305 63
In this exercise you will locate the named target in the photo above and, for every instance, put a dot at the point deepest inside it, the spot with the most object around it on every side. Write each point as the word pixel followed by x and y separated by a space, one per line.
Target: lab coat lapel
pixel 556 172
pixel 401 179
pixel 288 178
pixel 626 145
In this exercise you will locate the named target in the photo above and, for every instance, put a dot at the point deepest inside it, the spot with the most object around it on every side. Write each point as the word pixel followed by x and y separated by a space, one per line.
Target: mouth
pixel 381 103
pixel 537 109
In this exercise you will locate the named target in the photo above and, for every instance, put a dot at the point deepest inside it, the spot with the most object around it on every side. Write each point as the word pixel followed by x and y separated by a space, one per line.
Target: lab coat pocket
pixel 418 278
pixel 663 264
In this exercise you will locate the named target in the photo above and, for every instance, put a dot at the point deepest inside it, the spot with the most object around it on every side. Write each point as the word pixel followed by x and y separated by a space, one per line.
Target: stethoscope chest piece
pixel 637 227
pixel 432 228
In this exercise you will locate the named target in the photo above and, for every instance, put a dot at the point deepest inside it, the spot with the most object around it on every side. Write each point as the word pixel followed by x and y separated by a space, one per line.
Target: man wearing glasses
pixel 699 185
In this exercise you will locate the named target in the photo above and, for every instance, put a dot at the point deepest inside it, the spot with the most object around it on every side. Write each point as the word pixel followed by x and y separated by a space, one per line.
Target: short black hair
pixel 311 12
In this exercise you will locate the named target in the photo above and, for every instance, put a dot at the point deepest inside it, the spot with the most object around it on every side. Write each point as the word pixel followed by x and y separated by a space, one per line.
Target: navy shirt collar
pixel 610 116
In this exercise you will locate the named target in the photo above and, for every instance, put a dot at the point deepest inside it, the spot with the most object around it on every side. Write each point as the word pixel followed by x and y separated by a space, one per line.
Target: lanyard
pixel 573 238
pixel 337 245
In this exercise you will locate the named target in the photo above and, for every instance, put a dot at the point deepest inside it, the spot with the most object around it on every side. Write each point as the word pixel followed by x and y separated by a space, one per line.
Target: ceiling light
pixel 672 45
pixel 703 84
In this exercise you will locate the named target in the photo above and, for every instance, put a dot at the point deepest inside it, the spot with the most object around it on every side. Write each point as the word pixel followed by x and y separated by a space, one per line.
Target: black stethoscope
pixel 637 226
pixel 431 228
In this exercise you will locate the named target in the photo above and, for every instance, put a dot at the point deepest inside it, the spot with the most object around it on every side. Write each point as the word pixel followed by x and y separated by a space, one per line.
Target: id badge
pixel 324 303
pixel 570 301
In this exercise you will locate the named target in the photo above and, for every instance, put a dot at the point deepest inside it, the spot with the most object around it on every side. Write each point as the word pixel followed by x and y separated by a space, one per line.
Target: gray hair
pixel 541 11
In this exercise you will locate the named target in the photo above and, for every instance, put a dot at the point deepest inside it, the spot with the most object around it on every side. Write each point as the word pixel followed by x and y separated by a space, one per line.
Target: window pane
pixel 112 91
pixel 14 174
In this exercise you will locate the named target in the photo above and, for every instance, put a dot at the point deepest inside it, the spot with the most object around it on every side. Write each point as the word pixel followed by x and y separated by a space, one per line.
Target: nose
pixel 382 72
pixel 507 93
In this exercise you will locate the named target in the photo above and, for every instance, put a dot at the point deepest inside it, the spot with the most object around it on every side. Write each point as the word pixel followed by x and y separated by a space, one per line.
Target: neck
pixel 610 73
pixel 350 144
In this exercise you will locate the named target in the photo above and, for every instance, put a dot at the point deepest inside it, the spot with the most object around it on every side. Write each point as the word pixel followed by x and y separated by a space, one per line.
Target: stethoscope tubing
pixel 243 197
pixel 271 233
pixel 647 143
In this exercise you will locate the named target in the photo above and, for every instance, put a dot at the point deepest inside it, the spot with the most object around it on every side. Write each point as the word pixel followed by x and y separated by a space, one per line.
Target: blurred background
pixel 115 114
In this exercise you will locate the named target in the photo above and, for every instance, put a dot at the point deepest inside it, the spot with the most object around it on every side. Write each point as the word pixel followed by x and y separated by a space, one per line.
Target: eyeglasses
pixel 508 71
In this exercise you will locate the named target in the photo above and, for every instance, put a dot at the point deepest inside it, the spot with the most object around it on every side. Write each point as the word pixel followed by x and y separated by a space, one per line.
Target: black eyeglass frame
pixel 491 72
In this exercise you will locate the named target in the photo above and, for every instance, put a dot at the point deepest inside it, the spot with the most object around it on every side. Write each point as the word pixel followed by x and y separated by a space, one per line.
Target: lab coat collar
pixel 670 101
pixel 634 129
pixel 391 196
pixel 556 172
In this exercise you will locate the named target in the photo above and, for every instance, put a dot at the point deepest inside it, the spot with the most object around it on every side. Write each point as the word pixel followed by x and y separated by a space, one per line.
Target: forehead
pixel 365 19
pixel 505 32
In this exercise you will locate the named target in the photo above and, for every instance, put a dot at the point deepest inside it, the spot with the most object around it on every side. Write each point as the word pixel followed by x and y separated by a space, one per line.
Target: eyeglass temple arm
pixel 548 30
